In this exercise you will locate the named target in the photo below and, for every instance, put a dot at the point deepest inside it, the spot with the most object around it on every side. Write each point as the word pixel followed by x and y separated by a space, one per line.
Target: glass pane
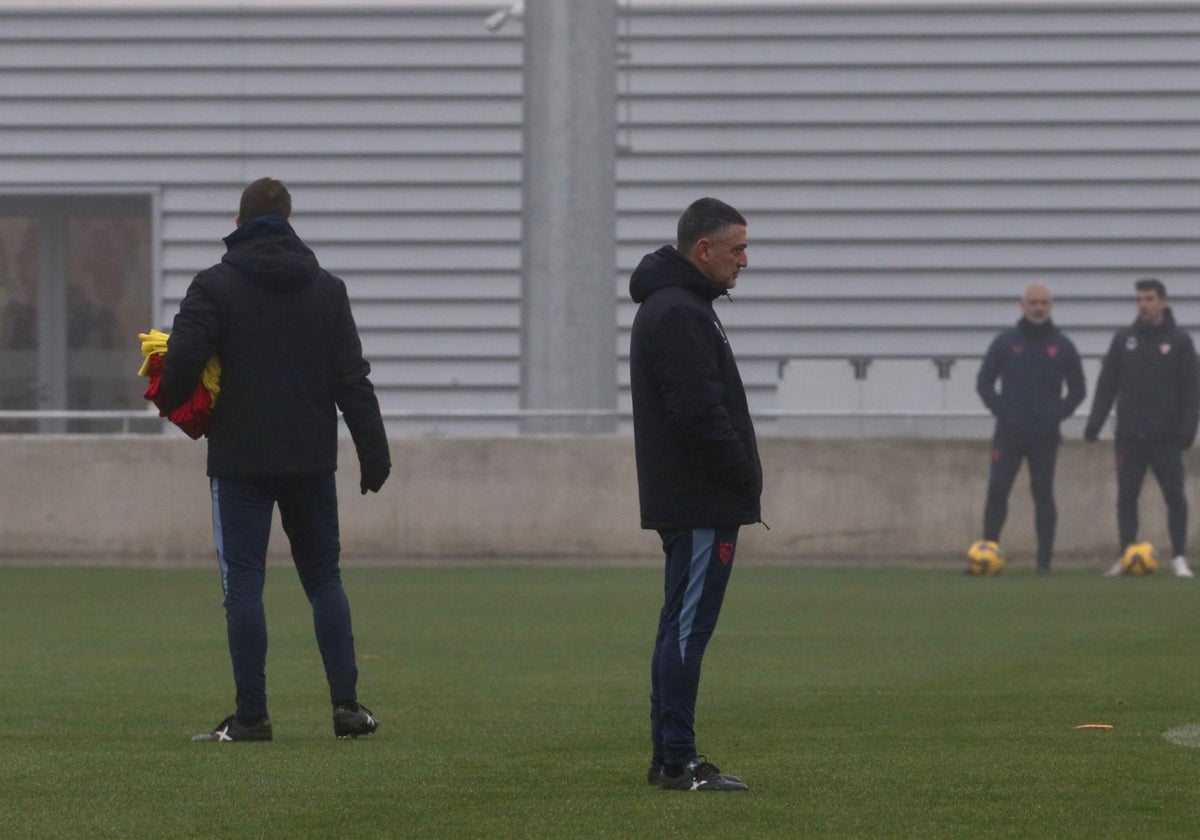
pixel 18 317
pixel 108 304
pixel 75 290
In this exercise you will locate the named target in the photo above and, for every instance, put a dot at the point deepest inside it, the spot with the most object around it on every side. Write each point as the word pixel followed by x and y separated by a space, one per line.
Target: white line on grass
pixel 1187 735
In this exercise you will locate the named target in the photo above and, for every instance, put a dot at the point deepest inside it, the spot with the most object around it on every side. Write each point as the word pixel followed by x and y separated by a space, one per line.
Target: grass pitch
pixel 856 703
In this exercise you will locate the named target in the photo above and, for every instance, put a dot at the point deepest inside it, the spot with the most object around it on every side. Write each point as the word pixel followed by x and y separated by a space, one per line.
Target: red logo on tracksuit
pixel 1052 351
pixel 725 552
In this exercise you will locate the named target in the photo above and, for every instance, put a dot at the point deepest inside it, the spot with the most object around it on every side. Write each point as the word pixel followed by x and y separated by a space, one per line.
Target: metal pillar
pixel 568 251
pixel 53 357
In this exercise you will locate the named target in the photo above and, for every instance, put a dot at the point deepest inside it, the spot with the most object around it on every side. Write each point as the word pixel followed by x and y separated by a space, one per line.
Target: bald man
pixel 1032 362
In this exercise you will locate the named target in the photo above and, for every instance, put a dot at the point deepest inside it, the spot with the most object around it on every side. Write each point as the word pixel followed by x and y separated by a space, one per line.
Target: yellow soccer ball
pixel 984 558
pixel 1139 559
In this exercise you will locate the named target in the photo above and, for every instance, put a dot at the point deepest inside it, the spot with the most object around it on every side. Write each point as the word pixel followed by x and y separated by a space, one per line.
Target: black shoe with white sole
pixel 654 775
pixel 700 775
pixel 353 719
pixel 231 729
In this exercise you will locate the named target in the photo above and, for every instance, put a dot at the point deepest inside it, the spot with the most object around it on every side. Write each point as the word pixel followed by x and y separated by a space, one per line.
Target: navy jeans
pixel 242 509
pixel 1165 460
pixel 698 565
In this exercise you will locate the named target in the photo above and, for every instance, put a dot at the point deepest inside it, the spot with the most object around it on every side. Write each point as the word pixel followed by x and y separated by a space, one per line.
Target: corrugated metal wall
pixel 398 132
pixel 906 168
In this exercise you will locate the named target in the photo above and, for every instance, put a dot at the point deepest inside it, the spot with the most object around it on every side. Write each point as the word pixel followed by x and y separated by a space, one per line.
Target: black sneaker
pixel 655 775
pixel 353 719
pixel 700 775
pixel 231 729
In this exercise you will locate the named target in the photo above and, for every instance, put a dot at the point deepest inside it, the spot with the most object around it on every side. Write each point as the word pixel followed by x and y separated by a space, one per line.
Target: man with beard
pixel 1150 371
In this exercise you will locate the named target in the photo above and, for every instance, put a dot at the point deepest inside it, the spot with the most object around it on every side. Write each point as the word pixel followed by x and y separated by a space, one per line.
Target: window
pixel 75 290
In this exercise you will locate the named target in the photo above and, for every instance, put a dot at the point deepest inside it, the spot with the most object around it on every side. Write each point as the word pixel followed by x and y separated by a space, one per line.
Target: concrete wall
pixel 145 498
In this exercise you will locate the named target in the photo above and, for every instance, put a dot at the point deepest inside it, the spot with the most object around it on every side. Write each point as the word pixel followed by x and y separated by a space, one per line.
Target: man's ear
pixel 700 250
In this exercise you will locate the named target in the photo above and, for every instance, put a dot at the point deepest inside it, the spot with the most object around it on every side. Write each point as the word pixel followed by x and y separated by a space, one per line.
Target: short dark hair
pixel 704 217
pixel 1150 284
pixel 265 197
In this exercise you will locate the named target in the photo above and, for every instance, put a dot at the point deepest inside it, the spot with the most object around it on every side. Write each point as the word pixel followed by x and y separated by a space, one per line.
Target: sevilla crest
pixel 725 552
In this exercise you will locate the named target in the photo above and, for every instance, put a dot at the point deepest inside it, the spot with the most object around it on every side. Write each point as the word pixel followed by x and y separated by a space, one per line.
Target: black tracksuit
pixel 699 476
pixel 1032 362
pixel 1150 371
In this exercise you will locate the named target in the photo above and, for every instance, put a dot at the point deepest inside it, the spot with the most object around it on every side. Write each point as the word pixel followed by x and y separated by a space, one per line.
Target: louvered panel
pixel 907 169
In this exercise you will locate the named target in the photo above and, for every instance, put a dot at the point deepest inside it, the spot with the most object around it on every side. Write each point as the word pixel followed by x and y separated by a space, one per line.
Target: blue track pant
pixel 242 509
pixel 698 564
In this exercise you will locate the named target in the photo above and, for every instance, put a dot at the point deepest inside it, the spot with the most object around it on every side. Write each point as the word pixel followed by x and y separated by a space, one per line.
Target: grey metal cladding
pixel 906 168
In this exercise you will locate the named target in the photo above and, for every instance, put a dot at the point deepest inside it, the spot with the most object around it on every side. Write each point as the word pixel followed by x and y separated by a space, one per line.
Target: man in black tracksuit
pixel 290 359
pixel 699 476
pixel 1032 361
pixel 1150 370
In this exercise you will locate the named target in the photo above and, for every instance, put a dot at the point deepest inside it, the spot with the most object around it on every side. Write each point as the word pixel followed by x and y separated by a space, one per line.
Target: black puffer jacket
pixel 290 358
pixel 1150 370
pixel 697 456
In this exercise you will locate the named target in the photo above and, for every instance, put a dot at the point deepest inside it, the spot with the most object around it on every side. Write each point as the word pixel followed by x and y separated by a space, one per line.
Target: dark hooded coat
pixel 1150 371
pixel 697 456
pixel 290 359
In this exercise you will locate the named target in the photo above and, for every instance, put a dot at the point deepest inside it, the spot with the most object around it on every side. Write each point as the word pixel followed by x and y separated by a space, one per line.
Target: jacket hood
pixel 267 251
pixel 1168 323
pixel 667 267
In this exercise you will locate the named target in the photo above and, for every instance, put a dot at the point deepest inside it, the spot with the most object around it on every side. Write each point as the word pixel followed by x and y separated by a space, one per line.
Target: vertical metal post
pixel 568 251
pixel 53 341
pixel 945 366
pixel 860 364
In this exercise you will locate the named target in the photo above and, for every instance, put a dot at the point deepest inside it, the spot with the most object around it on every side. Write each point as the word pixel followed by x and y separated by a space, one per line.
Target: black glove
pixel 1091 433
pixel 373 477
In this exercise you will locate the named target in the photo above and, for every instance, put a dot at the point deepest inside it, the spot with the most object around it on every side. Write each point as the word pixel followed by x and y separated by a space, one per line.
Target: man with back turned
pixel 291 358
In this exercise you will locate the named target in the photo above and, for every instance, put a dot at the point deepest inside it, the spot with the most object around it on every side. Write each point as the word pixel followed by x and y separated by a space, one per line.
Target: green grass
pixel 856 703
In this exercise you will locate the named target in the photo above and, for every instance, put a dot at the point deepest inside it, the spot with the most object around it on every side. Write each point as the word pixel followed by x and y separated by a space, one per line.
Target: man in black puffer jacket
pixel 1150 370
pixel 290 358
pixel 699 476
